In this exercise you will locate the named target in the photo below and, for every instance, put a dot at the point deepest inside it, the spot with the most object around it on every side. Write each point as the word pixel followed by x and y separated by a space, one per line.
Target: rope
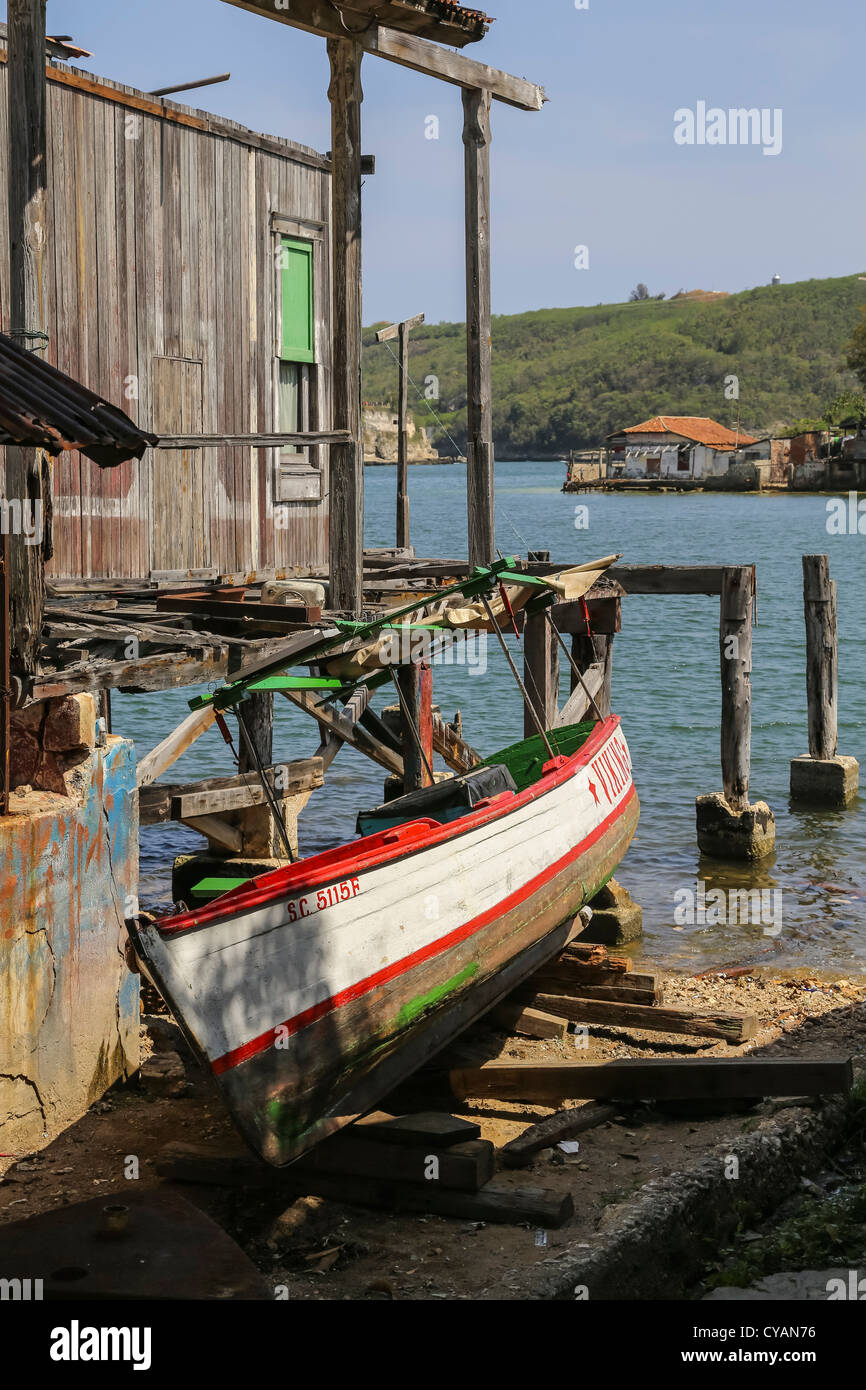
pixel 33 336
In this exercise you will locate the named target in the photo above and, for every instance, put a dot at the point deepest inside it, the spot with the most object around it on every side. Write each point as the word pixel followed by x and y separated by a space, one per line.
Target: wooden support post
pixel 822 666
pixel 540 672
pixel 258 714
pixel 825 777
pixel 346 550
pixel 479 447
pixel 730 826
pixel 403 441
pixel 595 650
pixel 416 686
pixel 735 645
pixel 401 332
pixel 27 180
pixel 5 676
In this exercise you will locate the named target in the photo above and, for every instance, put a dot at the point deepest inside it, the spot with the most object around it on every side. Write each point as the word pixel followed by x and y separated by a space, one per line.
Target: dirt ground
pixel 325 1250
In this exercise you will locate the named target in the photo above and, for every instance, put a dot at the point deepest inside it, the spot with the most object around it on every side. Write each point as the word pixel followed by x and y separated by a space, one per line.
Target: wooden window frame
pixel 299 477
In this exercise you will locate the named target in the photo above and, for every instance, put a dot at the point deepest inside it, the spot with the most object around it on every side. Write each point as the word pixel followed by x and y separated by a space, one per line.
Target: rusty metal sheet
pixel 41 407
pixel 152 1245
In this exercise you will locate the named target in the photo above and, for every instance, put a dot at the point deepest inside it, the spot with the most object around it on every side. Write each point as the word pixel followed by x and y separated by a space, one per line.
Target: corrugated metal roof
pixel 41 407
pixel 699 428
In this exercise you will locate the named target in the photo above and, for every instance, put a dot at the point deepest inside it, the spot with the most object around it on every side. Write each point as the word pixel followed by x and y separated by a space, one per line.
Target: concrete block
pixel 616 917
pixel 824 781
pixel 71 723
pixel 724 833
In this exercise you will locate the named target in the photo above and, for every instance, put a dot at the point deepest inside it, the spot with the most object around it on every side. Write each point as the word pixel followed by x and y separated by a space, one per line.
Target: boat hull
pixel 308 1015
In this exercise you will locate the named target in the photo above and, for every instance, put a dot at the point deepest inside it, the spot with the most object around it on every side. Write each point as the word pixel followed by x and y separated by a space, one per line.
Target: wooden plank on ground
pixel 574 975
pixel 733 1027
pixel 625 993
pixel 497 1202
pixel 515 1017
pixel 565 1124
pixel 462 1167
pixel 680 1078
pixel 429 1127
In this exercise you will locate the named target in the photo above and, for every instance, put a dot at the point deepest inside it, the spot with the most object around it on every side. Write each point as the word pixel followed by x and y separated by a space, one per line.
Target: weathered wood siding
pixel 162 296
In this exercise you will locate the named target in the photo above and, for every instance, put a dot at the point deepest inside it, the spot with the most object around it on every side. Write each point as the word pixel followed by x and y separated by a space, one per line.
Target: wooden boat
pixel 311 991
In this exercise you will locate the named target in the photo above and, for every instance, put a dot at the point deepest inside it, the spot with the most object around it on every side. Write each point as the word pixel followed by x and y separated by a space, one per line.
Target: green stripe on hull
pixel 423 1002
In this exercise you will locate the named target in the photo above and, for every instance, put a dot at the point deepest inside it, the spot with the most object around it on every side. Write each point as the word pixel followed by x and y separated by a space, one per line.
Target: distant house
pixel 674 446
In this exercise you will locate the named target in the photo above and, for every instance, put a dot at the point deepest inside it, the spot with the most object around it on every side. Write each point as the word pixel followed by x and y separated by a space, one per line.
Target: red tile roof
pixel 699 428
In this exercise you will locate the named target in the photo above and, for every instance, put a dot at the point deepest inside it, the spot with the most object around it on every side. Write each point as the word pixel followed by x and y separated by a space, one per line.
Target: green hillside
pixel 565 378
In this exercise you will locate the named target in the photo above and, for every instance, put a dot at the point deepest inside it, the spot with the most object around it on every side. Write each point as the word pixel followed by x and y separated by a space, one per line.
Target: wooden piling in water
pixel 735 644
pixel 822 666
pixel 730 826
pixel 823 777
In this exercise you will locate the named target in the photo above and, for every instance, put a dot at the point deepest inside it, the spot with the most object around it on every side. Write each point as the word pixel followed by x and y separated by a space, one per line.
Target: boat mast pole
pixel 533 713
pixel 574 666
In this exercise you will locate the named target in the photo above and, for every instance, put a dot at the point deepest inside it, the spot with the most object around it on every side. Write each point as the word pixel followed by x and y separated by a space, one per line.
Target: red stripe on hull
pixel 317 1011
pixel 350 860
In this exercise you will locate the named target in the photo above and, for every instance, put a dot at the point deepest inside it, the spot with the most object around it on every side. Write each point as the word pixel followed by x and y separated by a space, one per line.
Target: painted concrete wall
pixel 69 1012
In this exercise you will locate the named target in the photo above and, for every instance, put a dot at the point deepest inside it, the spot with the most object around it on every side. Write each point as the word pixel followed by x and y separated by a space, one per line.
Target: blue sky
pixel 597 168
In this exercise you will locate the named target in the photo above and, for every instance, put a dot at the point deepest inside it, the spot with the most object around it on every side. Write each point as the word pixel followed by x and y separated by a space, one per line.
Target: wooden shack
pixel 188 280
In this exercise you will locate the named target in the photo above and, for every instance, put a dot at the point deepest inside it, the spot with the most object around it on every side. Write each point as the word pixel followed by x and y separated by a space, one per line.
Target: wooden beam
pixel 388 334
pixel 340 723
pixel 578 703
pixel 513 1017
pixel 252 441
pixel 589 653
pixel 822 657
pixel 496 1202
pixel 734 1027
pixel 411 52
pixel 680 1078
pixel 346 526
pixel 160 758
pixel 28 255
pixel 218 831
pixel 406 50
pixel 163 672
pixel 167 801
pixel 479 417
pixel 448 743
